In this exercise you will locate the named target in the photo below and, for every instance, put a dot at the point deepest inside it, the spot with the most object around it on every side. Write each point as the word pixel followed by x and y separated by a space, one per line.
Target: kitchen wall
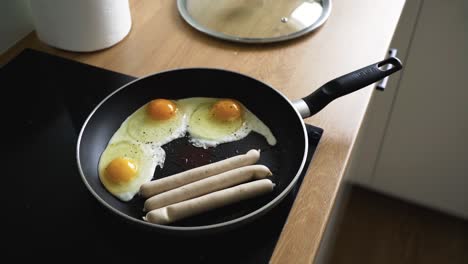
pixel 15 22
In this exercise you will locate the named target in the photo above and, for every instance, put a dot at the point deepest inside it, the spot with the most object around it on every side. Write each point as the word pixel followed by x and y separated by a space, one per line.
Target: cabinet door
pixel 367 147
pixel 424 153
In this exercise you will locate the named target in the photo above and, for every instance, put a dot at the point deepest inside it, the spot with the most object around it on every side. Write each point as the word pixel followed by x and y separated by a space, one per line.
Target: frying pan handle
pixel 347 84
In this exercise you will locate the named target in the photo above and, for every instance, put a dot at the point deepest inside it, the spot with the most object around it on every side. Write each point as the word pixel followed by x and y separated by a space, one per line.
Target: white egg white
pixel 140 138
pixel 205 131
pixel 146 158
pixel 142 128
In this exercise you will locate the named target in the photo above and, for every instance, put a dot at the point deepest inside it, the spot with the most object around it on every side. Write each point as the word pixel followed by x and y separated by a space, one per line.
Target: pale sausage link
pixel 207 185
pixel 209 201
pixel 168 183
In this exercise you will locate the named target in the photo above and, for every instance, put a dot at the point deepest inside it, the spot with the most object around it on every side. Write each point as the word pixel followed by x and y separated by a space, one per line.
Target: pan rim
pixel 258 212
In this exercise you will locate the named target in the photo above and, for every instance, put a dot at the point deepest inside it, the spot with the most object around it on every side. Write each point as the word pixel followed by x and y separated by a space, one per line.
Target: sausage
pixel 207 185
pixel 209 201
pixel 168 183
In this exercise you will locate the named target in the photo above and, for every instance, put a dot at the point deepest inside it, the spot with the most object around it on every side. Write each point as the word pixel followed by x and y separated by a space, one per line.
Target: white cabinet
pixel 414 140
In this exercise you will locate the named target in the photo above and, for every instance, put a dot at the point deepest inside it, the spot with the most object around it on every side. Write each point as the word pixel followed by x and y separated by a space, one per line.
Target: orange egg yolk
pixel 121 170
pixel 226 110
pixel 161 109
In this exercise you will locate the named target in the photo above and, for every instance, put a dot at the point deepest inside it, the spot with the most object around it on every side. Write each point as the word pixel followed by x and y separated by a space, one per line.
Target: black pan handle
pixel 349 83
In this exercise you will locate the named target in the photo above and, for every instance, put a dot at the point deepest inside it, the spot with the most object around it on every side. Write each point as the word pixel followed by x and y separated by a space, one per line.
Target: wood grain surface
pixel 390 230
pixel 356 34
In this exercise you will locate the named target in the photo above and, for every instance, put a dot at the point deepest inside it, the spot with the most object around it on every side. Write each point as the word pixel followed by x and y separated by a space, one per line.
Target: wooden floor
pixel 380 229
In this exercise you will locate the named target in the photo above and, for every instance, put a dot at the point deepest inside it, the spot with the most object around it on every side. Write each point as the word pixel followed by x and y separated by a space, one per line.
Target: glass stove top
pixel 50 213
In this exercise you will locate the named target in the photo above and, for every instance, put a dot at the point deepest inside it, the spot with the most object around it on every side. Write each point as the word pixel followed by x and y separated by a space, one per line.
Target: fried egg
pixel 214 121
pixel 157 122
pixel 125 165
pixel 135 149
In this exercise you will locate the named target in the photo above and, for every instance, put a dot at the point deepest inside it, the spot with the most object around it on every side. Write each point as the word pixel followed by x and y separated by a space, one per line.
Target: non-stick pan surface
pixel 285 159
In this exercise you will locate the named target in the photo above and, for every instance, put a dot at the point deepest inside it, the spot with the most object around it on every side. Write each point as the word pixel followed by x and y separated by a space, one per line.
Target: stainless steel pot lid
pixel 255 21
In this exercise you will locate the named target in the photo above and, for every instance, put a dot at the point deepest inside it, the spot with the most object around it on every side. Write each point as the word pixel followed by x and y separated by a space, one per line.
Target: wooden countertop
pixel 356 34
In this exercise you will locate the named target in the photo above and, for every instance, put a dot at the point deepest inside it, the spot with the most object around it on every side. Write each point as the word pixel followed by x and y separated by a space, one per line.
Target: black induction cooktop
pixel 50 215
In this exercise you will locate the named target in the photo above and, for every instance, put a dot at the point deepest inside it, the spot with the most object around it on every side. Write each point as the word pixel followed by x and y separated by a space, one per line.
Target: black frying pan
pixel 286 159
